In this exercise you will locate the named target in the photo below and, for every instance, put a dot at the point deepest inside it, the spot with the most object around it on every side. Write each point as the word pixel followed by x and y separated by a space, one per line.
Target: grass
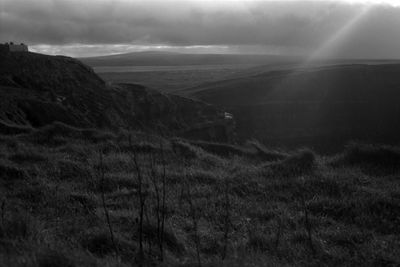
pixel 252 150
pixel 53 133
pixel 268 208
pixel 375 158
pixel 50 258
pixel 10 171
pixel 7 128
pixel 297 164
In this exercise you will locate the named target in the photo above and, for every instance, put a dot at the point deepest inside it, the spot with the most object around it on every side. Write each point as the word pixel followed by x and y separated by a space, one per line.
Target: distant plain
pixel 179 78
pixel 169 78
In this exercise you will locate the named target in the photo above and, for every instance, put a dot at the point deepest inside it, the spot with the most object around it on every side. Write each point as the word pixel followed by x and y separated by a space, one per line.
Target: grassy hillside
pixel 73 193
pixel 314 106
pixel 73 197
pixel 37 90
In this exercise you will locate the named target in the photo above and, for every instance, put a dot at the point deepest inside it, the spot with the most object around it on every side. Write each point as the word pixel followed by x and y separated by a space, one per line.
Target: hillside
pixel 41 89
pixel 315 106
pixel 72 197
pixel 93 174
pixel 37 90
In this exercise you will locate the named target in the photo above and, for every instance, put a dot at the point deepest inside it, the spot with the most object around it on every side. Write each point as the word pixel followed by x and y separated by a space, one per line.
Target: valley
pixel 284 103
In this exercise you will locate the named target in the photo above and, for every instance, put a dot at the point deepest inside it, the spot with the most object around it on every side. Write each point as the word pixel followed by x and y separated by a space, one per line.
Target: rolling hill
pixel 322 106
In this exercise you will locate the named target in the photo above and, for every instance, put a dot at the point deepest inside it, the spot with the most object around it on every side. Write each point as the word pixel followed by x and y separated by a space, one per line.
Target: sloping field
pixel 72 197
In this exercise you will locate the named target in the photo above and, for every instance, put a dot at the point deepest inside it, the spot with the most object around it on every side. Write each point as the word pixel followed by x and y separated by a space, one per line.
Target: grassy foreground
pixel 72 197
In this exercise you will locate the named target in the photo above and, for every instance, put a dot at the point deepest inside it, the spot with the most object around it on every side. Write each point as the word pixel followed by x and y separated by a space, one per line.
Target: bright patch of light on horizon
pixel 91 50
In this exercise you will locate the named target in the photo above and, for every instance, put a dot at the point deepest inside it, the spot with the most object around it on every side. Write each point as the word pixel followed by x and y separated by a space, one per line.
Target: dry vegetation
pixel 73 197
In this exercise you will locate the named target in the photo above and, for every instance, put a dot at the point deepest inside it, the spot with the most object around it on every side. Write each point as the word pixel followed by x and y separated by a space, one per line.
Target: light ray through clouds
pixel 299 28
pixel 328 48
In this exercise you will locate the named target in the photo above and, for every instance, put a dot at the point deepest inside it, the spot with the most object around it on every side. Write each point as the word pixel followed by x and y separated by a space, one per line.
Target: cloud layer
pixel 287 27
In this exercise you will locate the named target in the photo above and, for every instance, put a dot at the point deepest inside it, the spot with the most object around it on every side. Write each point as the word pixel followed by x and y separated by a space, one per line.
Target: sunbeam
pixel 327 50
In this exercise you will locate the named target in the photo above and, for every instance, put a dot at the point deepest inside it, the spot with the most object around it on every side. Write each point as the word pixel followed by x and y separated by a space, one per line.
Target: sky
pixel 314 29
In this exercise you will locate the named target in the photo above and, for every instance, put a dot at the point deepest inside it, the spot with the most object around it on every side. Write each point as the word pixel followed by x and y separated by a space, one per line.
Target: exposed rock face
pixel 37 90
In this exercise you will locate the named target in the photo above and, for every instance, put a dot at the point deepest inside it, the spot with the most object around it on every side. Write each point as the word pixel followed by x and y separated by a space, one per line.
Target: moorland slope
pixel 79 196
pixel 70 197
pixel 312 106
pixel 37 90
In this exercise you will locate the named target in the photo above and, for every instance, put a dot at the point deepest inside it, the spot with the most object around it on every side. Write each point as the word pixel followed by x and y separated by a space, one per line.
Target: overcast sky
pixel 341 29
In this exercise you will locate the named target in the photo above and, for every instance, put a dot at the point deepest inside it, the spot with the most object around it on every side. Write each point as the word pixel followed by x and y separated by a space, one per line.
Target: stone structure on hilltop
pixel 11 47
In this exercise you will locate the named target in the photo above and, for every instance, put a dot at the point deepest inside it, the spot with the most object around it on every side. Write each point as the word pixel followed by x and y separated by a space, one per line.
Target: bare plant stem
pixel 3 211
pixel 104 204
pixel 278 233
pixel 146 214
pixel 141 201
pixel 227 218
pixel 163 202
pixel 193 215
pixel 153 177
pixel 308 225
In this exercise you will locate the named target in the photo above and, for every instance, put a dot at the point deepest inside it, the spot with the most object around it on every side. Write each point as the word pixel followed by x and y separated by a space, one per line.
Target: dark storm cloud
pixel 300 25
